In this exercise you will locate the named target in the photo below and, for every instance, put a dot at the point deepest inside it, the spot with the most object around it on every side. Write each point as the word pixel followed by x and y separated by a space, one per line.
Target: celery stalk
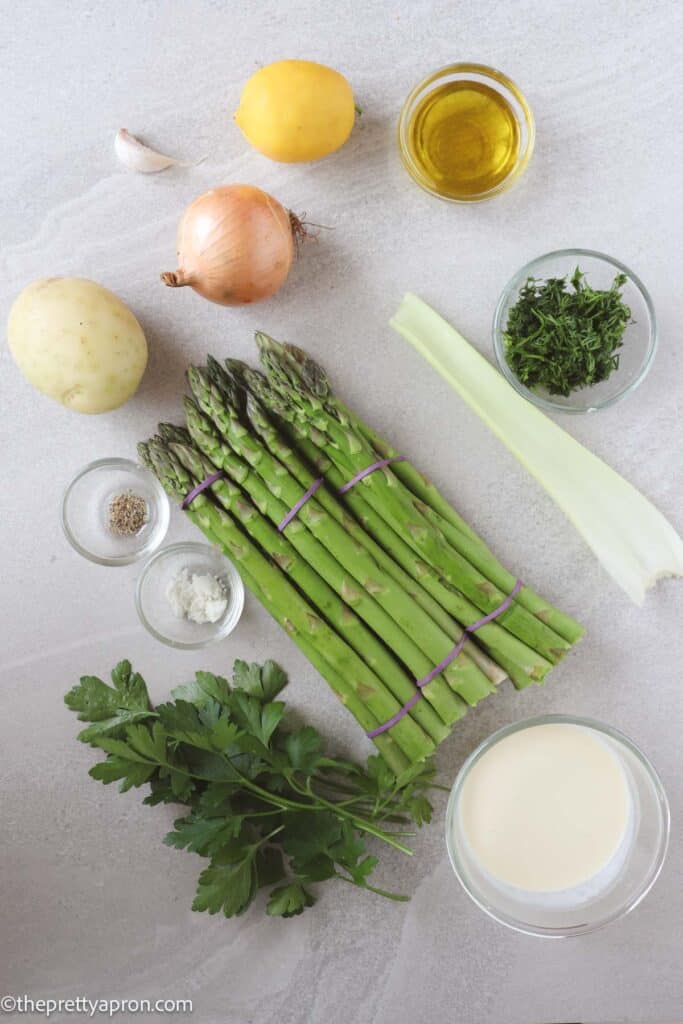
pixel 629 536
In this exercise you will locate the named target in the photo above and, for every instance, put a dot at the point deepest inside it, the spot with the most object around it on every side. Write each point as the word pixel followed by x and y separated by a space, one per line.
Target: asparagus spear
pixel 273 428
pixel 523 665
pixel 207 439
pixel 338 612
pixel 299 366
pixel 255 383
pixel 387 746
pixel 462 674
pixel 385 743
pixel 362 692
pixel 351 453
pixel 449 705
pixel 316 379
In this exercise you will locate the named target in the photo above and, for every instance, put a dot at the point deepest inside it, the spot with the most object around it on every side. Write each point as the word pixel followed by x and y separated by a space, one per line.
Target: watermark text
pixel 91 1007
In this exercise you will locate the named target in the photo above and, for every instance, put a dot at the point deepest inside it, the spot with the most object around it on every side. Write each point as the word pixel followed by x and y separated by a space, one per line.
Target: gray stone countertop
pixel 92 903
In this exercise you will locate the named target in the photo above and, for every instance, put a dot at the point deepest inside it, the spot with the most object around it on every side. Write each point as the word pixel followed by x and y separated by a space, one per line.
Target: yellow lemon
pixel 296 110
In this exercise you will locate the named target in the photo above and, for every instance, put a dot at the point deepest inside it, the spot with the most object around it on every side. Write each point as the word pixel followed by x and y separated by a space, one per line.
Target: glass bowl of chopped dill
pixel 115 512
pixel 575 331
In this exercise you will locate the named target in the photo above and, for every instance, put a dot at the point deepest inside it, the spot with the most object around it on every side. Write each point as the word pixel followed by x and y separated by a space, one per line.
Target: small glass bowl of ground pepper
pixel 575 331
pixel 115 512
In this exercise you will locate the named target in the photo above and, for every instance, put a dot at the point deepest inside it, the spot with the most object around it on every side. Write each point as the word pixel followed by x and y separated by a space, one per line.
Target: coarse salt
pixel 199 597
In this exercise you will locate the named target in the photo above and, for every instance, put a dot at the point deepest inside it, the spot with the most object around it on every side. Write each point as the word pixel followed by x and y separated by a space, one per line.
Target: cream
pixel 548 810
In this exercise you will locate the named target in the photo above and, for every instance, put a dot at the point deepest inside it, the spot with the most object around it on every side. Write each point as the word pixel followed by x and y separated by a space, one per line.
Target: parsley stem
pixel 284 803
pixel 396 896
pixel 265 839
pixel 295 805
pixel 360 823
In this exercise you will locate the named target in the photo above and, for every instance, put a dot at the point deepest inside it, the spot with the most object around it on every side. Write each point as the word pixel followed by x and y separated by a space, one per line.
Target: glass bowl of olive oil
pixel 466 133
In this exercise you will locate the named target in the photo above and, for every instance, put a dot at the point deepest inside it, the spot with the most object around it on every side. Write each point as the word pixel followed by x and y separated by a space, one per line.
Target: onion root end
pixel 175 278
pixel 299 230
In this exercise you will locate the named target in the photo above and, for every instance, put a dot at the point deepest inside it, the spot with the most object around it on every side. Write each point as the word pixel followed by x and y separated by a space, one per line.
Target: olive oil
pixel 465 138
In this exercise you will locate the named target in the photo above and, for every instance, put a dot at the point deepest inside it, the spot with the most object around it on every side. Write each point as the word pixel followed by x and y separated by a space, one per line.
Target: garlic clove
pixel 139 157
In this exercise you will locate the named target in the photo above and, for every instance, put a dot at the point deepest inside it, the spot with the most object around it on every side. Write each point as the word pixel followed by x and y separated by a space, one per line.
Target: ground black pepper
pixel 127 514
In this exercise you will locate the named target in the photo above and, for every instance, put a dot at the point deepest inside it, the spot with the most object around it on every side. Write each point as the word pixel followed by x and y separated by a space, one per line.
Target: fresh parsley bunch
pixel 266 806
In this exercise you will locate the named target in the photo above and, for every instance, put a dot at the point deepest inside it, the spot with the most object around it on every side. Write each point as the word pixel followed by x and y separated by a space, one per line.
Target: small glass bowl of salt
pixel 189 595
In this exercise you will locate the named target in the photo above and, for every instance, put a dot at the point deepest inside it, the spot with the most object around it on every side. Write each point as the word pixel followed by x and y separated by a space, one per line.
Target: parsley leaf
pixel 361 871
pixel 262 681
pixel 131 773
pixel 420 809
pixel 106 707
pixel 317 869
pixel 289 900
pixel 310 832
pixel 203 835
pixel 304 749
pixel 270 865
pixel 380 774
pixel 216 797
pixel 229 883
pixel 258 719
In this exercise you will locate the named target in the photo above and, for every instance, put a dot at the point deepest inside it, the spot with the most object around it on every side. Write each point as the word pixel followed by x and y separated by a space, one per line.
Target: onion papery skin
pixel 236 244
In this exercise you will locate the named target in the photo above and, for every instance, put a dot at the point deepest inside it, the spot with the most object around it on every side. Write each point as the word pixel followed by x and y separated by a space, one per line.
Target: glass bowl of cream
pixel 557 825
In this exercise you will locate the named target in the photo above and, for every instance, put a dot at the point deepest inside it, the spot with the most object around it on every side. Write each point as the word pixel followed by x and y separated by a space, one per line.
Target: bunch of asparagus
pixel 375 585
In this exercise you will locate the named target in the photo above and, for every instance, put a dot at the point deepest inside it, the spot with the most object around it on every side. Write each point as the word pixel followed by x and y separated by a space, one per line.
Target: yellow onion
pixel 235 245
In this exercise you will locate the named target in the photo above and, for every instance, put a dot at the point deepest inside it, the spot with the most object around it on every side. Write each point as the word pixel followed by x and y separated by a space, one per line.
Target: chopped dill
pixel 562 338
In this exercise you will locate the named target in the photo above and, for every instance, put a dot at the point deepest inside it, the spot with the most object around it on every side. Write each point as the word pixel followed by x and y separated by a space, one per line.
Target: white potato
pixel 77 342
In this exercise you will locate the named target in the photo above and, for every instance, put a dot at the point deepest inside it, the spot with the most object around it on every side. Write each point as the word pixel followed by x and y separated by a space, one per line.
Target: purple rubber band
pixel 370 469
pixel 300 504
pixel 342 490
pixel 189 498
pixel 397 717
pixel 438 669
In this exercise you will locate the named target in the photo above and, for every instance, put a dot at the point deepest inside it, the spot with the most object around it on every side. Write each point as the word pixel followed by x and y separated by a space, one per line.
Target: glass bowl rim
pixel 548 404
pixel 163 505
pixel 494 76
pixel 236 589
pixel 517 924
